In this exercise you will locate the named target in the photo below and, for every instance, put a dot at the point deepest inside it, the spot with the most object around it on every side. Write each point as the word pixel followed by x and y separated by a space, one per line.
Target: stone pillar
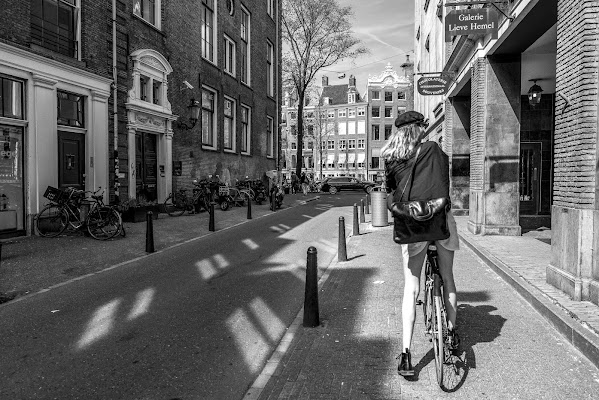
pixel 574 266
pixel 168 165
pixel 131 159
pixel 457 121
pixel 495 146
pixel 96 170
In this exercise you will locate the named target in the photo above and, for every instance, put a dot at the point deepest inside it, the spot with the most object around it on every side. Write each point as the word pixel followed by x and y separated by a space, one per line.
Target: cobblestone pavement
pixel 509 351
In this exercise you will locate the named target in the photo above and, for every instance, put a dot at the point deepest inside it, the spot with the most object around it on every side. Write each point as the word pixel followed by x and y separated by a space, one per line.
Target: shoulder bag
pixel 419 220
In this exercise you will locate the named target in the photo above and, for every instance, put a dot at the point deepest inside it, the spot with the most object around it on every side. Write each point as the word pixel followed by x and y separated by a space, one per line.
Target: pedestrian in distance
pixel 294 185
pixel 304 183
pixel 430 180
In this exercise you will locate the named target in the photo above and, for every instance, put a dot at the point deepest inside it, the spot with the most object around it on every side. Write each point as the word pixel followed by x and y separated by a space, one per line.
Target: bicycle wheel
pixel 175 205
pixel 51 221
pixel 427 307
pixel 438 337
pixel 104 223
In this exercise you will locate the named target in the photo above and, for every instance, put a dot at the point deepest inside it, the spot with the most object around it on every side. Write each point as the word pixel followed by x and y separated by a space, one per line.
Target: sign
pixel 480 21
pixel 434 85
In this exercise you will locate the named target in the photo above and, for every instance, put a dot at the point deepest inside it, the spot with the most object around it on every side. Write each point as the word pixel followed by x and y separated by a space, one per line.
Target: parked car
pixel 337 183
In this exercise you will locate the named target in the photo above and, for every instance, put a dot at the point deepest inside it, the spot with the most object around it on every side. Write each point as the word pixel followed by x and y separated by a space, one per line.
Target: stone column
pixel 96 170
pixel 131 159
pixel 495 146
pixel 168 164
pixel 574 266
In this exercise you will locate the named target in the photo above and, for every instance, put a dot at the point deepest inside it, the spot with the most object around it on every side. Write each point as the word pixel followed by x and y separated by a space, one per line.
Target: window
pixel 55 25
pixel 156 92
pixel 148 10
pixel 244 50
pixel 401 110
pixel 376 112
pixel 427 44
pixel 361 143
pixel 351 98
pixel 293 115
pixel 401 95
pixel 293 146
pixel 246 114
pixel 361 111
pixel 270 8
pixel 342 144
pixel 376 95
pixel 426 3
pixel 388 111
pixel 352 144
pixel 208 118
pixel 331 113
pixel 11 98
pixel 342 112
pixel 388 96
pixel 294 130
pixel 376 135
pixel 270 139
pixel 229 125
pixel 229 56
pixel 388 130
pixel 351 112
pixel 270 71
pixel 418 34
pixel 207 30
pixel 330 145
pixel 374 162
pixel 70 109
pixel 310 145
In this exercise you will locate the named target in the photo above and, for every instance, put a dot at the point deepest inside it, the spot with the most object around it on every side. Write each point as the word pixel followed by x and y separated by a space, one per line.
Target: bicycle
pixel 66 211
pixel 435 319
pixel 178 202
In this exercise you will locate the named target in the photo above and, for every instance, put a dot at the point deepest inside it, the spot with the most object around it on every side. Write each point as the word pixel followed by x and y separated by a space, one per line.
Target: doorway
pixel 146 166
pixel 71 164
pixel 530 177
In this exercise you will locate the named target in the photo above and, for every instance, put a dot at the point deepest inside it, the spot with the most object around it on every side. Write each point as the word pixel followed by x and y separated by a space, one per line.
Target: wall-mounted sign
pixel 434 85
pixel 177 168
pixel 480 21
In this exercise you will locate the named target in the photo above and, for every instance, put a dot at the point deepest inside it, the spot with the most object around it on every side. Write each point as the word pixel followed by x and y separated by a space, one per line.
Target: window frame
pixel 270 69
pixel 270 8
pixel 157 13
pixel 351 113
pixel 230 55
pixel 388 96
pixel 377 93
pixel 376 132
pixel 210 42
pixel 378 112
pixel 361 111
pixel 75 40
pixel 233 124
pixel 12 99
pixel 342 113
pixel 270 137
pixel 245 46
pixel 388 112
pixel 80 102
pixel 246 129
pixel 212 145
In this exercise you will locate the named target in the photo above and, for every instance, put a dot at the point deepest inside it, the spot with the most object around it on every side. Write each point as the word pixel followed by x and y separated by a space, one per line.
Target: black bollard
pixel 249 207
pixel 149 232
pixel 211 219
pixel 356 223
pixel 311 318
pixel 362 217
pixel 367 204
pixel 342 248
pixel 273 200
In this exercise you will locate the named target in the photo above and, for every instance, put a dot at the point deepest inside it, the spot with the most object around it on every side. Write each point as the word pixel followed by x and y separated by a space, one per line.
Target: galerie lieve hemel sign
pixel 480 21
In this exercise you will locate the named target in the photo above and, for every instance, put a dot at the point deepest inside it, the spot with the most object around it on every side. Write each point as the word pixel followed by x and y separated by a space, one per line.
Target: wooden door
pixel 71 160
pixel 146 166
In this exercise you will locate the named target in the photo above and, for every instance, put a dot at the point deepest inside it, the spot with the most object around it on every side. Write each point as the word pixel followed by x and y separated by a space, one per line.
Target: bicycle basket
pixel 53 194
pixel 223 190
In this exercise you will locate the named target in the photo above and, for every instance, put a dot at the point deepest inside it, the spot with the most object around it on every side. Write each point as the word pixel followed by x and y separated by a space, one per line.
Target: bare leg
pixel 449 289
pixel 411 271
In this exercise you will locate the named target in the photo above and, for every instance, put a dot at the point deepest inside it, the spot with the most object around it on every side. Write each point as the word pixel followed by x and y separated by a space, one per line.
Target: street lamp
pixel 534 93
pixel 194 111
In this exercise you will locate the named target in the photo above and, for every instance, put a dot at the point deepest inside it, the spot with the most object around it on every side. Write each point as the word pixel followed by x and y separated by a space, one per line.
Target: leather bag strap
pixel 411 177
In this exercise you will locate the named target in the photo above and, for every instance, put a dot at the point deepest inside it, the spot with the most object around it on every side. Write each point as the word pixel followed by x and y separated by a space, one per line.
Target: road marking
pixel 142 303
pixel 100 324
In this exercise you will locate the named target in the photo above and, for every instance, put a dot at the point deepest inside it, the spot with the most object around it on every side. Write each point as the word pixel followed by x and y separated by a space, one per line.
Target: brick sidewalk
pixel 352 354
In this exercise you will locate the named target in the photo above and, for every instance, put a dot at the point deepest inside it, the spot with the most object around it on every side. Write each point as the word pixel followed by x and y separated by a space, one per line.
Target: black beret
pixel 408 118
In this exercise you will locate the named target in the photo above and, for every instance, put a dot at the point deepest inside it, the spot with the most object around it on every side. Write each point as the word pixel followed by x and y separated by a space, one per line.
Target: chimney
pixel 352 81
pixel 325 81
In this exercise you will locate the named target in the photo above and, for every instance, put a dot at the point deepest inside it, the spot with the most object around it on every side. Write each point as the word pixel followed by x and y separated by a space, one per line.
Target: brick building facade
pixel 531 161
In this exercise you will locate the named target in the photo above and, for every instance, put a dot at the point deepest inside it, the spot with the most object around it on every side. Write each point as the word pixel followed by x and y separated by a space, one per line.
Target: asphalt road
pixel 196 321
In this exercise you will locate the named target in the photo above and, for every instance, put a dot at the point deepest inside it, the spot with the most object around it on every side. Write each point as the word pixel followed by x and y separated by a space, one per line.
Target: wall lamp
pixel 194 111
pixel 534 93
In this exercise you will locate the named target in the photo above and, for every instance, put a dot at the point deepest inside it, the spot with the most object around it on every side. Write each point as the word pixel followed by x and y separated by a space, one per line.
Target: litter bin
pixel 378 202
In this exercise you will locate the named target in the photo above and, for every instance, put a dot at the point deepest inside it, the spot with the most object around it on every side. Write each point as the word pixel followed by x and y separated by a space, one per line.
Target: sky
pixel 386 27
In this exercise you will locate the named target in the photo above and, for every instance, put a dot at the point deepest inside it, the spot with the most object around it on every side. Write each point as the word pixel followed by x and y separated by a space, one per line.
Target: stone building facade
pixel 531 162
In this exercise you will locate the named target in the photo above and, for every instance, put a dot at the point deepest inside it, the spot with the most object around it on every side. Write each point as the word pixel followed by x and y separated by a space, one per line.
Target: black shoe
pixel 404 368
pixel 453 340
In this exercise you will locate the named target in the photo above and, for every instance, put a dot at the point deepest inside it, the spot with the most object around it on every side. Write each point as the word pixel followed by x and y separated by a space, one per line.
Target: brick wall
pixel 477 133
pixel 575 158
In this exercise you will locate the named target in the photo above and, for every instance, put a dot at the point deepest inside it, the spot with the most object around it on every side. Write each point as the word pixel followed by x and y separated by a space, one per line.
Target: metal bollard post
pixel 362 217
pixel 211 219
pixel 149 232
pixel 367 205
pixel 341 248
pixel 273 200
pixel 356 223
pixel 249 216
pixel 311 317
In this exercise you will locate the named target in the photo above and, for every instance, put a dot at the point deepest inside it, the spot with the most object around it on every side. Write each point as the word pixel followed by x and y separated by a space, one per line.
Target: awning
pixel 376 152
pixel 351 159
pixel 330 159
pixel 341 159
pixel 361 158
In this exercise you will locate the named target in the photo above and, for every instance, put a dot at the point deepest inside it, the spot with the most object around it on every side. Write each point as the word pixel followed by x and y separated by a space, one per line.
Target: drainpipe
pixel 114 107
pixel 278 109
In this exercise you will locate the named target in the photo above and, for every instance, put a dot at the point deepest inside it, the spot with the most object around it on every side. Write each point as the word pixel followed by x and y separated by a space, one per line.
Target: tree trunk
pixel 300 134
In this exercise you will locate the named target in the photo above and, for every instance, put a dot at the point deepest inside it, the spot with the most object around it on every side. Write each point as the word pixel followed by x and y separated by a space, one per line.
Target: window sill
pixel 209 148
pixel 148 23
pixel 230 151
pixel 247 154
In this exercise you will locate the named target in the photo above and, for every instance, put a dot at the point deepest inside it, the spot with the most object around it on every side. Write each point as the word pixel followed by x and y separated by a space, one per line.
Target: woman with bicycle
pixel 430 180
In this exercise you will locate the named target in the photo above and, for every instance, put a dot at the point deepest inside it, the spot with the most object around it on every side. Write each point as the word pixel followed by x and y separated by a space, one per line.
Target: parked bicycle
pixel 178 202
pixel 70 209
pixel 448 366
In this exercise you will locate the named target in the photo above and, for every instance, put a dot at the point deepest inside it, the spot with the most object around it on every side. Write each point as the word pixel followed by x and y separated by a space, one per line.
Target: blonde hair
pixel 402 143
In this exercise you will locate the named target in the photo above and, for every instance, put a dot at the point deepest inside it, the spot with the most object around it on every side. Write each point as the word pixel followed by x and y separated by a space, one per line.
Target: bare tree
pixel 316 34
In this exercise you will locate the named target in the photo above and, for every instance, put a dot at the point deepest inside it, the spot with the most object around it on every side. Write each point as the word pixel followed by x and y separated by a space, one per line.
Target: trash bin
pixel 378 202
